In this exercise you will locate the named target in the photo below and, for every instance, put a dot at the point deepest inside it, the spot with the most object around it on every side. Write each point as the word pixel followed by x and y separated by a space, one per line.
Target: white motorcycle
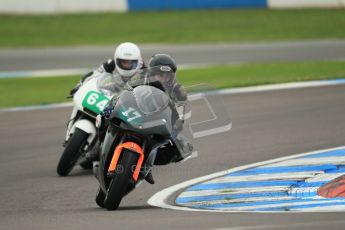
pixel 89 100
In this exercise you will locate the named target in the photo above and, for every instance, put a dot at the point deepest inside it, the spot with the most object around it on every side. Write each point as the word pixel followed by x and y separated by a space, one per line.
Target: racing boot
pixel 149 178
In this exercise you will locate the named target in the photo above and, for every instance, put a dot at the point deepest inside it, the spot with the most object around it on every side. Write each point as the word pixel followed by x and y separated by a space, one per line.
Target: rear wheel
pixel 122 178
pixel 72 152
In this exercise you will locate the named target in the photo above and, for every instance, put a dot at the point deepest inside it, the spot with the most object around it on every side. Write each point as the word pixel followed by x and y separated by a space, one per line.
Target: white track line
pixel 310 161
pixel 262 88
pixel 43 73
pixel 38 107
pixel 72 71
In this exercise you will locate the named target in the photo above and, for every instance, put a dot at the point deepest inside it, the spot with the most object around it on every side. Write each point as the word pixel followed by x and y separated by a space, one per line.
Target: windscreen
pixel 110 84
pixel 149 99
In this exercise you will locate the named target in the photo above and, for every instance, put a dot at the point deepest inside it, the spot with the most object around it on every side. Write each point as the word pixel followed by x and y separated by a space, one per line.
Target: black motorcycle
pixel 139 128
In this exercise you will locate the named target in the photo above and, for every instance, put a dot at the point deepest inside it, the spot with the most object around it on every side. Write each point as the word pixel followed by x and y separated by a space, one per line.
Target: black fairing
pixel 145 111
pixel 143 116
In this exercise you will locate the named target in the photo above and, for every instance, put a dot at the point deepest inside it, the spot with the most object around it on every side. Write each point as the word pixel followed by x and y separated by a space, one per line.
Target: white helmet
pixel 127 59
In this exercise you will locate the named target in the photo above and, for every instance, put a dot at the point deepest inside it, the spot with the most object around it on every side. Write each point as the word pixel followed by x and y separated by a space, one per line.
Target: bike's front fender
pixel 87 126
pixel 118 151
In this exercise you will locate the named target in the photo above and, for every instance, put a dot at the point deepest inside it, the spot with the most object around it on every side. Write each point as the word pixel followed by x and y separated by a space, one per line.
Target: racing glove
pixel 107 111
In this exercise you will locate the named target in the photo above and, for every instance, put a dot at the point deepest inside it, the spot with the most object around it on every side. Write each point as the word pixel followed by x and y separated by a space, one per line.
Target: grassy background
pixel 268 73
pixel 33 91
pixel 171 27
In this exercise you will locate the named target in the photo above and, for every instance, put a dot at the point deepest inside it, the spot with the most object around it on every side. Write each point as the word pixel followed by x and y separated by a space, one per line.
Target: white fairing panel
pixel 61 6
pixel 88 127
pixel 306 3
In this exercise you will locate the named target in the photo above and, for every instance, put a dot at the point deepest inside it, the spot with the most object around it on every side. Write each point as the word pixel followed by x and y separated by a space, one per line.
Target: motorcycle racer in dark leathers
pixel 162 70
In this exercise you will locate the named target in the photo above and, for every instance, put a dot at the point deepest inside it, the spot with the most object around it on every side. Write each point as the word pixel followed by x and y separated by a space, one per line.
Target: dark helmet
pixel 163 60
pixel 163 67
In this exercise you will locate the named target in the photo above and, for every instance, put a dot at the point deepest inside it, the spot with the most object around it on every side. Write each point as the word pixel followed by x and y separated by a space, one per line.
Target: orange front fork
pixel 133 147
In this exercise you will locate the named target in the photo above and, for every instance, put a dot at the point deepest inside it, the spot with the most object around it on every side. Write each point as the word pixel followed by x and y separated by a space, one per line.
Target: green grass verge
pixel 32 91
pixel 259 74
pixel 171 27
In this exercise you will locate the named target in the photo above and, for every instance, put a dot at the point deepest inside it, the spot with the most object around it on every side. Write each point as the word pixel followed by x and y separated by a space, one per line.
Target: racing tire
pixel 72 152
pixel 121 180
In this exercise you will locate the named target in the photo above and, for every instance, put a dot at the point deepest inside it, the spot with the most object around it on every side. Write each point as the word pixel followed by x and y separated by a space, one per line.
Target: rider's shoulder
pixel 108 66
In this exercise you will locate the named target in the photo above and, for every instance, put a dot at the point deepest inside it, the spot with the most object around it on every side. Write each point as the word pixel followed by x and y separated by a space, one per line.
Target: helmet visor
pixel 164 77
pixel 127 64
pixel 163 74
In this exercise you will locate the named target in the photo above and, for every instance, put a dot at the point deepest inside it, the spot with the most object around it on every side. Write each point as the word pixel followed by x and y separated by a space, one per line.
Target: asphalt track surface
pixel 195 54
pixel 266 125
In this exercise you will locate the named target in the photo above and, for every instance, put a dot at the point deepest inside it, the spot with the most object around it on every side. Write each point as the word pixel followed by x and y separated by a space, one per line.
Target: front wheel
pixel 72 152
pixel 121 180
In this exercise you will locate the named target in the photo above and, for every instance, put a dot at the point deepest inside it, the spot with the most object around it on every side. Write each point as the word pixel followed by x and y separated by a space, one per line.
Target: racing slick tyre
pixel 121 180
pixel 72 152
